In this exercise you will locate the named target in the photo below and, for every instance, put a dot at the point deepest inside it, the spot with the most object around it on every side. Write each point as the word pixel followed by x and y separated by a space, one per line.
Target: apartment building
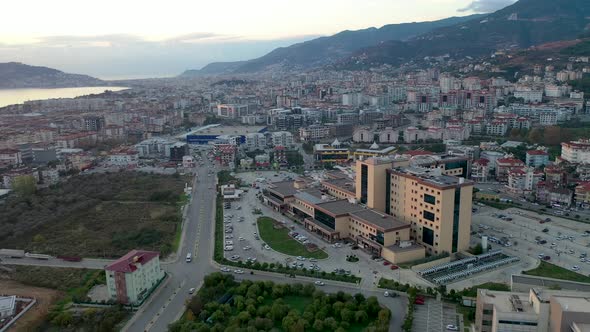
pixel 537 158
pixel 505 166
pixel 282 138
pixel 10 157
pixel 131 278
pixel 254 141
pixel 232 111
pixel 582 195
pixel 576 152
pixel 539 310
pixel 314 133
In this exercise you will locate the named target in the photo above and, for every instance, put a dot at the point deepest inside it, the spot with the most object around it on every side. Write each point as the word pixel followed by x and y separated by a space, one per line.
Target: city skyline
pixel 180 35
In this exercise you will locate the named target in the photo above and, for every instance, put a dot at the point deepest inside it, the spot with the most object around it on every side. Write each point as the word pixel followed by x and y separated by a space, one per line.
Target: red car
pixel 419 301
pixel 386 263
pixel 394 267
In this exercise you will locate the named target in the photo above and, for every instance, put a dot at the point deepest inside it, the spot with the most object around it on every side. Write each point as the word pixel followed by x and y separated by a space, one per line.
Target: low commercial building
pixel 342 188
pixel 330 153
pixel 539 310
pixel 131 278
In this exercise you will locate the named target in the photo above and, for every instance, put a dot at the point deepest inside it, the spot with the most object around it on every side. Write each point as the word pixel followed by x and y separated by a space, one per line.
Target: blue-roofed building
pixel 217 132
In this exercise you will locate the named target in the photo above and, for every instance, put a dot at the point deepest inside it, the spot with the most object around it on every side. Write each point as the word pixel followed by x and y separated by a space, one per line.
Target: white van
pixel 189 257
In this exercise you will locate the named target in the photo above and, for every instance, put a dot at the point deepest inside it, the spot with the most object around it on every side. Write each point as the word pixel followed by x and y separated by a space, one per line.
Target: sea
pixel 19 96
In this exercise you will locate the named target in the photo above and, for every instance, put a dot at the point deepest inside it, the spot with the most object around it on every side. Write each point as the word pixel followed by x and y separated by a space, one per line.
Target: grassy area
pixel 549 270
pixel 266 306
pixel 279 240
pixel 103 215
pixel 499 205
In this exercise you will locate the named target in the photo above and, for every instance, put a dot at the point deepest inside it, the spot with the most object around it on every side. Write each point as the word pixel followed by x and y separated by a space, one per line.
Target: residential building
pixel 131 278
pixel 255 141
pixel 523 180
pixel 123 158
pixel 537 158
pixel 232 111
pixel 314 133
pixel 576 152
pixel 225 154
pixel 505 166
pixel 178 150
pixel 282 138
pixel 94 123
pixel 582 195
pixel 529 96
pixel 480 170
pixel 347 118
pixel 10 157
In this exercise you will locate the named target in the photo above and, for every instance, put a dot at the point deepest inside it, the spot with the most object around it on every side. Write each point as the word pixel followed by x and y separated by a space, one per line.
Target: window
pixel 428 235
pixel 429 199
pixel 428 215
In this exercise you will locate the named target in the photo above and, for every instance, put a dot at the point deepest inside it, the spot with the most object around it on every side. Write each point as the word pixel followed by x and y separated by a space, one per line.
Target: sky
pixel 147 38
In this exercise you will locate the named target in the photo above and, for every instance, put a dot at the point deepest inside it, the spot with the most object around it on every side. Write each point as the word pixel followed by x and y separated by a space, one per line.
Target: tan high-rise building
pixel 438 207
pixel 371 175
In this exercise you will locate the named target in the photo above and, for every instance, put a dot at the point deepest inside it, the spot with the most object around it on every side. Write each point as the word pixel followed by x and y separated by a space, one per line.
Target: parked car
pixel 319 283
pixel 452 327
pixel 394 267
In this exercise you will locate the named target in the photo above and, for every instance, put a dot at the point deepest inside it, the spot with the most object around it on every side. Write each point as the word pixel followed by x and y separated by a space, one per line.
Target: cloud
pixel 486 6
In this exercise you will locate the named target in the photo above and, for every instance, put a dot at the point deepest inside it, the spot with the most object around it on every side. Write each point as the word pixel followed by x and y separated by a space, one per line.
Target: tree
pixel 383 316
pixel 361 316
pixel 24 185
pixel 318 325
pixel 346 315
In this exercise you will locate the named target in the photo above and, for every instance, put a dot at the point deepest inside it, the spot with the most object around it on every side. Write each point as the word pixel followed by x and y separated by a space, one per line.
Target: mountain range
pixel 523 24
pixel 326 50
pixel 15 75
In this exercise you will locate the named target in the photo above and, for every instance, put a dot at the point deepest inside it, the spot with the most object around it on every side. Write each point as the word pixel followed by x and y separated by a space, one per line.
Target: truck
pixel 37 256
pixel 12 253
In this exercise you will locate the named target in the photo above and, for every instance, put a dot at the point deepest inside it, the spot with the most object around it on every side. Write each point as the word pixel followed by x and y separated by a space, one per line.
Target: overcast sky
pixel 138 38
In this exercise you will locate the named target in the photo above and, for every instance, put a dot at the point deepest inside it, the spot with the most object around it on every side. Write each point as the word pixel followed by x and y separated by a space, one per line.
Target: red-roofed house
pixel 523 180
pixel 131 278
pixel 505 165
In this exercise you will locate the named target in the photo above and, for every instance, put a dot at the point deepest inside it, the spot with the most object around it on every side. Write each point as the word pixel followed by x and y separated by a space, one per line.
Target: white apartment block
pixel 282 138
pixel 232 111
pixel 363 135
pixel 255 141
pixel 131 278
pixel 530 96
pixel 577 152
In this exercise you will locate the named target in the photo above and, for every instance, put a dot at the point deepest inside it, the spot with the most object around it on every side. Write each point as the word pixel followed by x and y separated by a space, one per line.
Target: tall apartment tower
pixel 371 178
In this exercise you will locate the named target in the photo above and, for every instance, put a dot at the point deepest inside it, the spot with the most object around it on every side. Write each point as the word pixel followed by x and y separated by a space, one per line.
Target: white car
pixel 452 327
pixel 386 294
pixel 575 268
pixel 235 257
pixel 228 248
pixel 319 283
pixel 241 238
pixel 238 272
pixel 247 248
pixel 224 269
pixel 267 247
pixel 191 291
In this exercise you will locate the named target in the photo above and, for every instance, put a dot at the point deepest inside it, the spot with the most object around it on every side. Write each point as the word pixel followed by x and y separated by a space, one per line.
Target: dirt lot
pixel 34 317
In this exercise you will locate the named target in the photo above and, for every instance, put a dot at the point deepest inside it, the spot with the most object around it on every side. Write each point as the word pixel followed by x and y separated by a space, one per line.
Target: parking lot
pixel 250 246
pixel 435 316
pixel 560 241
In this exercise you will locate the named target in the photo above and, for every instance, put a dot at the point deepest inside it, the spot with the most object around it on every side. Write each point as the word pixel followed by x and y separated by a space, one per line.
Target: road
pixel 167 303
